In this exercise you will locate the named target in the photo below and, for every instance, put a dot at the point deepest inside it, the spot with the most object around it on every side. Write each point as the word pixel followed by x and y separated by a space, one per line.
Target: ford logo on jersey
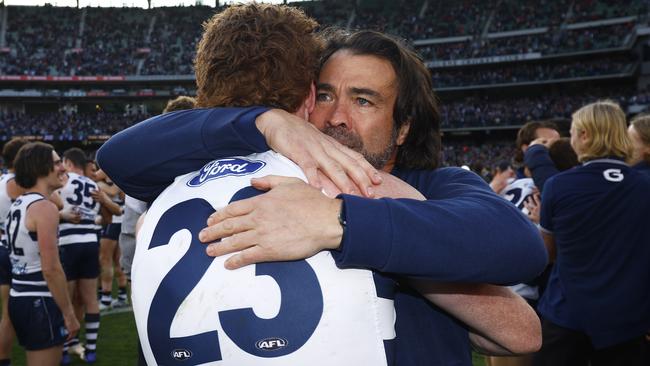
pixel 181 354
pixel 226 168
pixel 271 344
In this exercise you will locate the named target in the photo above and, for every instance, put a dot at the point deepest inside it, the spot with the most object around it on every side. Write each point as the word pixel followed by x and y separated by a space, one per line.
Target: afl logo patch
pixel 271 344
pixel 225 168
pixel 181 354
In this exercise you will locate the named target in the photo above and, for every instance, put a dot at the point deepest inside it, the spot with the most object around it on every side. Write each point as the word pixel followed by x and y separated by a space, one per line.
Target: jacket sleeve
pixel 463 232
pixel 144 159
pixel 538 160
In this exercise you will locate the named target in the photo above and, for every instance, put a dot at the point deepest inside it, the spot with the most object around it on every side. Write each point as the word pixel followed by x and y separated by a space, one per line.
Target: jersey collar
pixel 608 160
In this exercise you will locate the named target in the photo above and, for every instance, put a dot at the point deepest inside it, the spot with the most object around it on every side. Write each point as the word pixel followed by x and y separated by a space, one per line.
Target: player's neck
pixel 76 170
pixel 42 188
pixel 390 165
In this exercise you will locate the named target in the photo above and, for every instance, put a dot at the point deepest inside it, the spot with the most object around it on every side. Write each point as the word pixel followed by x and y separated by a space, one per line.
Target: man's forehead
pixel 357 71
pixel 546 132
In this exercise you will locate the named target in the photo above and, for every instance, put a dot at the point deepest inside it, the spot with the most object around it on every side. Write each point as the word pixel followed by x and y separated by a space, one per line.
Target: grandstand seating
pixel 162 41
pixel 63 126
pixel 483 112
pixel 531 72
pixel 468 44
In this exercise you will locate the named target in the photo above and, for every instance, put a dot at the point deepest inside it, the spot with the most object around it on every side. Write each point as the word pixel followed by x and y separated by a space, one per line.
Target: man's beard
pixel 354 142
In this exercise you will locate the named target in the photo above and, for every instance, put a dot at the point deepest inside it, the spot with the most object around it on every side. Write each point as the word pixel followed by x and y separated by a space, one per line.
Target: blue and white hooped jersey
pixel 76 196
pixel 117 219
pixel 518 191
pixel 5 201
pixel 190 310
pixel 25 256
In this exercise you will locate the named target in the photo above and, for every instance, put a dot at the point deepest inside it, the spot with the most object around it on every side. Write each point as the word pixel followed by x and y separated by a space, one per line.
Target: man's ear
pixel 310 103
pixel 403 132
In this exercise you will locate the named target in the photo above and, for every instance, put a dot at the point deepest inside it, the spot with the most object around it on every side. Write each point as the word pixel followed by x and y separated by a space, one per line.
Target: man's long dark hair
pixel 416 103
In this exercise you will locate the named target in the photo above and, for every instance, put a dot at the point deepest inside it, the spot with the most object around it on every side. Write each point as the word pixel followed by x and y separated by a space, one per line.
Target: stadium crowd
pixel 547 43
pixel 532 72
pixel 63 126
pixel 585 193
pixel 68 41
pixel 485 112
pixel 470 112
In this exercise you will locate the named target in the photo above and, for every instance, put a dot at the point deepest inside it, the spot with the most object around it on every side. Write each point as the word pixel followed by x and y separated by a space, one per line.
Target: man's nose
pixel 340 116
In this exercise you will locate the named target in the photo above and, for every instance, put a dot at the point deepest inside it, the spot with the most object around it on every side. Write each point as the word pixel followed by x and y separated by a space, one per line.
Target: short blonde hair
pixel 604 123
pixel 642 127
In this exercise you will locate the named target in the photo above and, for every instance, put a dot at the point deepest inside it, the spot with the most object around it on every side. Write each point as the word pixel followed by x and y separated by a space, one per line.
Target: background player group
pixel 68 212
pixel 373 115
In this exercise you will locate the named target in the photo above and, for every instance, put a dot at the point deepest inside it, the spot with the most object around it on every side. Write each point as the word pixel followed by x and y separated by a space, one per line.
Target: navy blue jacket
pixel 600 283
pixel 463 232
pixel 643 166
pixel 538 160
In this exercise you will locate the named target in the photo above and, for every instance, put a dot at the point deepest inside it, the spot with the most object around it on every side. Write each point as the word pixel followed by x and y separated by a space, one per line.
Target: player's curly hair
pixel 257 54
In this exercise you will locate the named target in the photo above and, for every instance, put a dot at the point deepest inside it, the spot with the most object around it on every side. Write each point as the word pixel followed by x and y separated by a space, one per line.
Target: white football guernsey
pixel 76 196
pixel 25 256
pixel 190 310
pixel 517 192
pixel 5 200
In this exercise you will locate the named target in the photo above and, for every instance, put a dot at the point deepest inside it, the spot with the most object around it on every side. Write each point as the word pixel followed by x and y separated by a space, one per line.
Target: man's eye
pixel 363 102
pixel 323 97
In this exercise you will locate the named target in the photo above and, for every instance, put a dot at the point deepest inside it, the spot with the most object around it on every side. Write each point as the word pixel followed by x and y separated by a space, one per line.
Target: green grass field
pixel 117 343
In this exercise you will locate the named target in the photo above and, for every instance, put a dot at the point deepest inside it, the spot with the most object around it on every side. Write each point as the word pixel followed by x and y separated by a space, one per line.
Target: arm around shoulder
pixel 463 232
pixel 538 160
pixel 500 321
pixel 145 158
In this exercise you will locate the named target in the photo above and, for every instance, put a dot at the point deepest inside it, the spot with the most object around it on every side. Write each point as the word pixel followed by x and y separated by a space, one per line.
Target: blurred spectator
pixel 525 14
pixel 483 111
pixel 589 10
pixel 62 127
pixel 639 132
pixel 162 41
pixel 530 72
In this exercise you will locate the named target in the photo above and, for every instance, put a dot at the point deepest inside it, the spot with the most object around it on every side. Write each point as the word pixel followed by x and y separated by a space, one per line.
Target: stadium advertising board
pixel 484 60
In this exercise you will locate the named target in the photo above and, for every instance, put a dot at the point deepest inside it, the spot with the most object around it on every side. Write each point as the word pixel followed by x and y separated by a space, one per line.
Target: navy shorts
pixel 112 231
pixel 38 322
pixel 5 266
pixel 80 261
